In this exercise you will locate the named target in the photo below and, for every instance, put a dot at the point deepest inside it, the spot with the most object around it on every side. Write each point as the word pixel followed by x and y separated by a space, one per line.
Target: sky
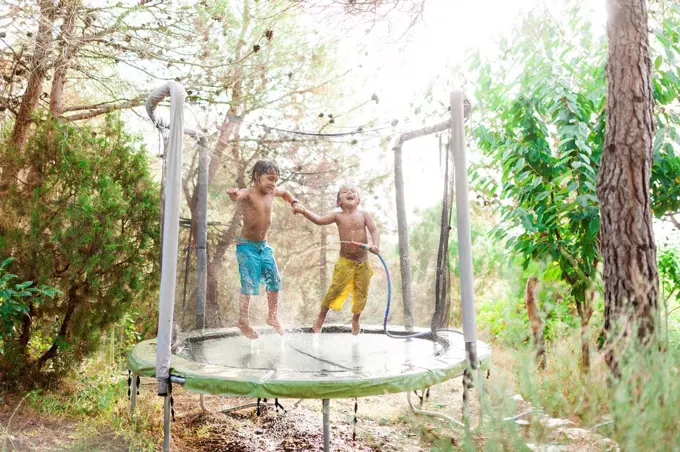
pixel 400 71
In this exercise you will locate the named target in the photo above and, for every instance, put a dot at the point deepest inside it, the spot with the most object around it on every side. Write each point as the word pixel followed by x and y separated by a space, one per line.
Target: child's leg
pixel 272 280
pixel 362 280
pixel 356 328
pixel 244 317
pixel 319 320
pixel 337 292
pixel 273 317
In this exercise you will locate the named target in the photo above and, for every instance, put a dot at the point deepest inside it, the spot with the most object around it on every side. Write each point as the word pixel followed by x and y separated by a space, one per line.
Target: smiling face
pixel 266 183
pixel 348 197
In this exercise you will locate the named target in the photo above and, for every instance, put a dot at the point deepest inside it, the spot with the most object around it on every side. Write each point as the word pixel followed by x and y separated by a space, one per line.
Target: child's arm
pixel 286 196
pixel 237 194
pixel 314 218
pixel 375 235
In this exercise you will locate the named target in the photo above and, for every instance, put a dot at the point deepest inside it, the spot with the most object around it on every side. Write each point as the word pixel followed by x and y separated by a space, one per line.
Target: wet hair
pixel 337 198
pixel 262 167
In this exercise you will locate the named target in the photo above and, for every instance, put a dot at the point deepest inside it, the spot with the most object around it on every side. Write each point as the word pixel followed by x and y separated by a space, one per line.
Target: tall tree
pixel 623 185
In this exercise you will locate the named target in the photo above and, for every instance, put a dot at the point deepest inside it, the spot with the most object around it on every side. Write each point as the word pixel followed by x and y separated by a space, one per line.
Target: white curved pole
pixel 463 225
pixel 170 223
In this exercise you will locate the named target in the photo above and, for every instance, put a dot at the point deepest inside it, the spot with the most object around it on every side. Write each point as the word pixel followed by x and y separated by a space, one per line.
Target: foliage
pixel 486 260
pixel 665 45
pixel 641 403
pixel 15 301
pixel 542 126
pixel 84 220
pixel 668 261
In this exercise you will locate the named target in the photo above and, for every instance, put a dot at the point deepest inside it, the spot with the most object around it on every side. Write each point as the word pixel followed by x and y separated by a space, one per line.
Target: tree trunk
pixel 627 238
pixel 67 49
pixel 39 65
pixel 583 299
pixel 535 321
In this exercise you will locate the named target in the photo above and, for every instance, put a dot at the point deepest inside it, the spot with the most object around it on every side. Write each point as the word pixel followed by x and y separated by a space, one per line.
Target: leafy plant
pixel 85 221
pixel 15 301
pixel 541 129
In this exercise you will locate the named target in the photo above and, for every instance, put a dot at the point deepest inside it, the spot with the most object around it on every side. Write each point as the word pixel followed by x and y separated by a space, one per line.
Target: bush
pixel 82 216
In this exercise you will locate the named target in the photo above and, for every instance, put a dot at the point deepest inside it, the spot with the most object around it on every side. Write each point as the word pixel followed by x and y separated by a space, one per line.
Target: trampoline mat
pixel 300 364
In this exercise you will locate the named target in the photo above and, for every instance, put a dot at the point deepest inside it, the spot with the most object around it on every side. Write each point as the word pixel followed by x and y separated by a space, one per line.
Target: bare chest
pixel 351 223
pixel 256 205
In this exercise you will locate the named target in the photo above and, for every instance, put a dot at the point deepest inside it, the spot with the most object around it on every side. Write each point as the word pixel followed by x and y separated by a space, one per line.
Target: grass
pixel 643 406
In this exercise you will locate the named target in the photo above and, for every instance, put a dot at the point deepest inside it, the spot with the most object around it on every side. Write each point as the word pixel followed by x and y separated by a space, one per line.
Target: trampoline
pixel 302 365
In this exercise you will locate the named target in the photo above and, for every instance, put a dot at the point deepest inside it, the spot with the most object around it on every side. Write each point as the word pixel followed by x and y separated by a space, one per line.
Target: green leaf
pixel 542 196
pixel 657 62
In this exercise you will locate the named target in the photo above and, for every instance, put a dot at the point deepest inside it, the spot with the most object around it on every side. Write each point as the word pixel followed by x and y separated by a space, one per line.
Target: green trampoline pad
pixel 332 364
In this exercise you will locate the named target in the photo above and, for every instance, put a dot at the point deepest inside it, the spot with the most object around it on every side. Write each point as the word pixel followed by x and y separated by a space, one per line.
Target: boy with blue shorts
pixel 255 257
pixel 352 273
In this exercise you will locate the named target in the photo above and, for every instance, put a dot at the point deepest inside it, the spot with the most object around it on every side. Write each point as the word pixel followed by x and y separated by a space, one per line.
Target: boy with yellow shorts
pixel 352 273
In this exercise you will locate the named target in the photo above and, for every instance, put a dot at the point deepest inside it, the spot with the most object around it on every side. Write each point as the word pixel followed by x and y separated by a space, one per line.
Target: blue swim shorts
pixel 256 261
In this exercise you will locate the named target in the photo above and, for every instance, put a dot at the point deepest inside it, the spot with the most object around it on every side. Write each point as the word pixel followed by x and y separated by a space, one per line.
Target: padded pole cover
pixel 463 216
pixel 170 223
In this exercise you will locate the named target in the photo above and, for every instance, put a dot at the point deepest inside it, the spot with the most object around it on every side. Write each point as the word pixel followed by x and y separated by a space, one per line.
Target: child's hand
pixel 298 208
pixel 233 193
pixel 374 249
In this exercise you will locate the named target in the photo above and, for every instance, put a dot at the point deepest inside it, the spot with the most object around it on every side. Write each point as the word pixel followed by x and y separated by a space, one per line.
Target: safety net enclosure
pixel 199 348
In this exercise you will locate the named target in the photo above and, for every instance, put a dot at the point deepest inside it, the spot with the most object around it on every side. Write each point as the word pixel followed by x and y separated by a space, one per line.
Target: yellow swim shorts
pixel 349 277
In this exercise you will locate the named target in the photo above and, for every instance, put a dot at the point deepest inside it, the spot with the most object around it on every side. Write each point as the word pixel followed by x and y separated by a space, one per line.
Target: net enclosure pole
pixel 463 226
pixel 170 223
pixel 402 224
pixel 201 249
pixel 402 229
pixel 325 408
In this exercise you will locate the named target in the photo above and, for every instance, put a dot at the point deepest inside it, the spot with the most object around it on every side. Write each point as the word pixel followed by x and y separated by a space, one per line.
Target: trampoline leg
pixel 326 425
pixel 166 422
pixel 133 394
pixel 466 395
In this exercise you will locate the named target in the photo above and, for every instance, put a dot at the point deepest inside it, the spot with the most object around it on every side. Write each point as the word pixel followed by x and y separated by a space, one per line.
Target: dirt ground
pixel 384 423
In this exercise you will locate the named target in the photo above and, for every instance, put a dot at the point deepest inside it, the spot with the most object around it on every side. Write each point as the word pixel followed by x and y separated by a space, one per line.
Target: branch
pixel 141 97
pixel 98 111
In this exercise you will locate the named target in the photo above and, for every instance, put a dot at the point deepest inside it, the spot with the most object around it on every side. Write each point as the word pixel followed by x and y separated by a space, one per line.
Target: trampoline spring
pixel 139 380
pixel 129 383
pixel 427 394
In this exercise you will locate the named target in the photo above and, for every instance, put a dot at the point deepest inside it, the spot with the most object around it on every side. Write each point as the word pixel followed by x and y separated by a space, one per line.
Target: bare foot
pixel 247 330
pixel 317 326
pixel 274 323
pixel 356 328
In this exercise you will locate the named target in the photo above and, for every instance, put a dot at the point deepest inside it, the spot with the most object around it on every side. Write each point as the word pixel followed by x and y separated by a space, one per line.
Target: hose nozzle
pixel 362 245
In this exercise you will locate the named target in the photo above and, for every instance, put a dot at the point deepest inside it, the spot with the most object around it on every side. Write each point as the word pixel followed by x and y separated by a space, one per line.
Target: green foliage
pixel 543 126
pixel 642 403
pixel 665 45
pixel 424 242
pixel 82 217
pixel 15 301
